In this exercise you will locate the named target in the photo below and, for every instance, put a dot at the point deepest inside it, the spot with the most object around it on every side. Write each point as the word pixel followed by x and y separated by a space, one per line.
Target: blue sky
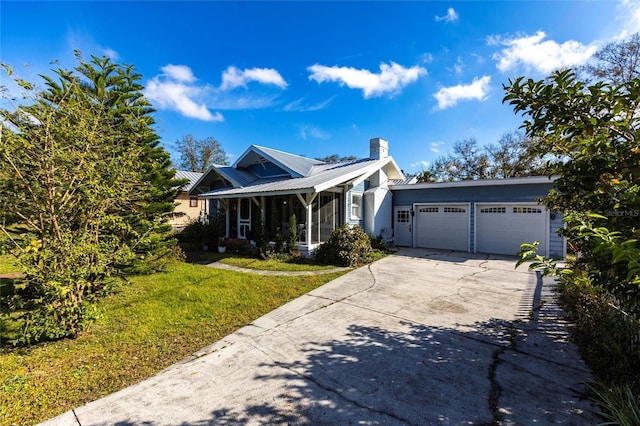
pixel 321 78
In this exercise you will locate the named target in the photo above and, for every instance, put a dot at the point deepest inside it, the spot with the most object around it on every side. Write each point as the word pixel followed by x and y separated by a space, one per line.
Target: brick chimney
pixel 378 148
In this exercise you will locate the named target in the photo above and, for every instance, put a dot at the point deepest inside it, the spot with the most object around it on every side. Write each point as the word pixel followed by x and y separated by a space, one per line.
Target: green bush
pixel 347 246
pixel 606 336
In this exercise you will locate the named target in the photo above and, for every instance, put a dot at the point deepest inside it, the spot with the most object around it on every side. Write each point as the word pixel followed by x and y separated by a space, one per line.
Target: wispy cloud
pixel 422 164
pixel 232 77
pixel 449 96
pixel 390 80
pixel 534 52
pixel 451 16
pixel 300 105
pixel 175 89
pixel 435 147
pixel 630 18
pixel 308 131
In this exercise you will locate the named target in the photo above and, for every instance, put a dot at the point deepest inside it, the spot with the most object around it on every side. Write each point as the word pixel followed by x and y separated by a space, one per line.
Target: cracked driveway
pixel 420 337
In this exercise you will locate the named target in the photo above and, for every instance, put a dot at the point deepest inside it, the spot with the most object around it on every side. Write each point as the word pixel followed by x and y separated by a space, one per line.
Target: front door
pixel 403 229
pixel 244 217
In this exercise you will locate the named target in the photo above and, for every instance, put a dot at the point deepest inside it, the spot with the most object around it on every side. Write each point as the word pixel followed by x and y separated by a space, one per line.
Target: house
pixel 188 206
pixel 478 216
pixel 270 185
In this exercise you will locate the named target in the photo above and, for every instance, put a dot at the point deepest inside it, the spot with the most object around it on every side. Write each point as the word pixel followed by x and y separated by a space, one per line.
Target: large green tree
pixel 593 131
pixel 85 189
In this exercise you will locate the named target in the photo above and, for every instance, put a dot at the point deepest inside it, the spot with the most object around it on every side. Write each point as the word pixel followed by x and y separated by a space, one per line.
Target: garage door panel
pixel 502 229
pixel 442 227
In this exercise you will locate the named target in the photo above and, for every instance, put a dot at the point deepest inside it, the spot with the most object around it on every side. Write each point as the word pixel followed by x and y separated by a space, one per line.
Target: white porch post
pixel 307 203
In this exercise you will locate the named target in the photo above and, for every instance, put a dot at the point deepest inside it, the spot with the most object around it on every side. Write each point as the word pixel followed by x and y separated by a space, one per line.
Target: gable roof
pixel 296 165
pixel 321 176
pixel 192 176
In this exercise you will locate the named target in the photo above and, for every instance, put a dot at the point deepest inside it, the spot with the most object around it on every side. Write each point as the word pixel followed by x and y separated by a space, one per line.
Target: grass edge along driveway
pixel 151 323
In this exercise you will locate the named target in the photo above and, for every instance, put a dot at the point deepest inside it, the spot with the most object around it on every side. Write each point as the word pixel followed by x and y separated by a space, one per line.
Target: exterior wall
pixel 557 243
pixel 378 210
pixel 190 214
pixel 514 193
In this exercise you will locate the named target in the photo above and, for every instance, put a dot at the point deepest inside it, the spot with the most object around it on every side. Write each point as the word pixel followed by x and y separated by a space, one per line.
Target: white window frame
pixel 355 195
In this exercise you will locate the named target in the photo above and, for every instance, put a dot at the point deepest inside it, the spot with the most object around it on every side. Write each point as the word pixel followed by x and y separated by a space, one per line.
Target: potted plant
pixel 222 245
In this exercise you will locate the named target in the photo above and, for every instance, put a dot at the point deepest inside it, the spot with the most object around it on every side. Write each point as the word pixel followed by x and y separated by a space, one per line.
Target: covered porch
pixel 315 215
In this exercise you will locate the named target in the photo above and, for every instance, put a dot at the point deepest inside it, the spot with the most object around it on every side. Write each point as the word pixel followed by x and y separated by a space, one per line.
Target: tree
pixel 467 162
pixel 617 62
pixel 513 156
pixel 335 158
pixel 594 133
pixel 198 155
pixel 84 190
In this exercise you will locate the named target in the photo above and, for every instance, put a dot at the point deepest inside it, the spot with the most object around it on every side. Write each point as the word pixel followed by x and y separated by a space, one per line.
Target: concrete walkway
pixel 420 337
pixel 221 265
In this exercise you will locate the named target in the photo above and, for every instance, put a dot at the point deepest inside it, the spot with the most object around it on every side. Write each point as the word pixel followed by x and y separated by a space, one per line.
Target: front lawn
pixel 153 322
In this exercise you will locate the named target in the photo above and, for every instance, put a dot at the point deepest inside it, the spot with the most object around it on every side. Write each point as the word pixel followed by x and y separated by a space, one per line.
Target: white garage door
pixel 502 228
pixel 443 226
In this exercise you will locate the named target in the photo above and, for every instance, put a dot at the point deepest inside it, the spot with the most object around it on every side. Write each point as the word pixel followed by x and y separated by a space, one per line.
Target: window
pixel 403 216
pixel 493 210
pixel 526 210
pixel 454 210
pixel 356 206
pixel 193 201
pixel 429 210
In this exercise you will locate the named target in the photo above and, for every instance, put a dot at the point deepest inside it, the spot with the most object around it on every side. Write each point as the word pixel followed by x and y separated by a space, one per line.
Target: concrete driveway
pixel 421 337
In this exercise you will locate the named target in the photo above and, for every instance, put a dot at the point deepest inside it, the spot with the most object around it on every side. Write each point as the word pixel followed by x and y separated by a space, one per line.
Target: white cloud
pixel 309 131
pixel 534 52
pixel 232 77
pixel 299 105
pixel 631 18
pixel 110 53
pixel 391 79
pixel 173 90
pixel 422 164
pixel 435 147
pixel 179 73
pixel 451 16
pixel 449 96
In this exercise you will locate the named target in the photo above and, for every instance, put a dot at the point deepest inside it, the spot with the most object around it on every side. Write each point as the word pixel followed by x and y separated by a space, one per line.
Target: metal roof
pixel 321 177
pixel 479 182
pixel 192 176
pixel 296 165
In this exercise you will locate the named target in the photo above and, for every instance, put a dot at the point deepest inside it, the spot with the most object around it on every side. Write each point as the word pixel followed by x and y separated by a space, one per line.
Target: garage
pixel 501 228
pixel 442 226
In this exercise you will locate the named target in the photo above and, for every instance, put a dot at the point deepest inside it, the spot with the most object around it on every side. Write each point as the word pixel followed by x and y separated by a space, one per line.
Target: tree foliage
pixel 198 155
pixel 594 133
pixel 84 190
pixel 617 62
pixel 335 158
pixel 511 157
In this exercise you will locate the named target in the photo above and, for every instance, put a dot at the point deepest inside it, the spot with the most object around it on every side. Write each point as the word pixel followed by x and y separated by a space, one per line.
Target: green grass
pixel 272 264
pixel 7 264
pixel 150 324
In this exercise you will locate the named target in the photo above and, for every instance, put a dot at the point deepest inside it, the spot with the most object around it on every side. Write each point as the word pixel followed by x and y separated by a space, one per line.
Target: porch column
pixel 227 218
pixel 307 204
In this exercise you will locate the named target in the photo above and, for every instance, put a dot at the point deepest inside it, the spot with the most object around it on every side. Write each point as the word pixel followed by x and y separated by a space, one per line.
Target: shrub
pixel 347 246
pixel 292 237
